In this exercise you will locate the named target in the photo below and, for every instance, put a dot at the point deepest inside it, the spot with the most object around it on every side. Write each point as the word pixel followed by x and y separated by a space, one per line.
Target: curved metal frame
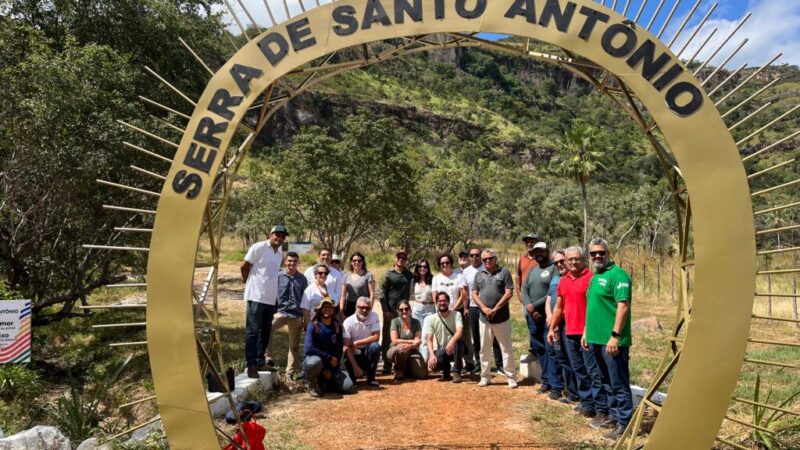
pixel 716 332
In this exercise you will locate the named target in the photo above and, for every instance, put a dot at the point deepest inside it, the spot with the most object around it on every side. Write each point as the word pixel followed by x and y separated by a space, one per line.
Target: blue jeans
pixel 538 333
pixel 368 359
pixel 583 382
pixel 616 382
pixel 339 382
pixel 258 327
pixel 599 388
pixel 561 366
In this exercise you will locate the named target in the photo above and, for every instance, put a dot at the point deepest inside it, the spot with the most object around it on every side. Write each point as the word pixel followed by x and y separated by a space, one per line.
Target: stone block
pixel 37 438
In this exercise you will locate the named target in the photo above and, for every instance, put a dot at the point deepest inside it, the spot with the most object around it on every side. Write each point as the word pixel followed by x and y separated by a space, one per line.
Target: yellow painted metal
pixel 724 234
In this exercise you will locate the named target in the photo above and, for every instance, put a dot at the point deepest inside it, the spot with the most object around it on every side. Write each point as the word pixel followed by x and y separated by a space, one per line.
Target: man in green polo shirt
pixel 608 332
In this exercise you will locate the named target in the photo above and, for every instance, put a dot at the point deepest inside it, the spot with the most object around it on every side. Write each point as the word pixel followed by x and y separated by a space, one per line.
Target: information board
pixel 15 331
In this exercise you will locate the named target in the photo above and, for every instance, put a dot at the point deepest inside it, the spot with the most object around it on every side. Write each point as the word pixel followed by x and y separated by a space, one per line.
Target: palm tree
pixel 578 157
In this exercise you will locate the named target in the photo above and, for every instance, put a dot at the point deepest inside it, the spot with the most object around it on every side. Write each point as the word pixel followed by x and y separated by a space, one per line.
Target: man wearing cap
pixel 463 262
pixel 291 286
pixel 335 280
pixel 534 296
pixel 395 286
pixel 361 333
pixel 260 273
pixel 526 262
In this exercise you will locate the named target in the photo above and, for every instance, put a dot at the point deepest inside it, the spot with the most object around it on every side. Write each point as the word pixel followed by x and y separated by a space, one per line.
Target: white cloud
pixel 774 27
pixel 259 13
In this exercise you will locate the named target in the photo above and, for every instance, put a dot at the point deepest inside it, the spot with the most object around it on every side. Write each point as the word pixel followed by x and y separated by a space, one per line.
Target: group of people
pixel 456 322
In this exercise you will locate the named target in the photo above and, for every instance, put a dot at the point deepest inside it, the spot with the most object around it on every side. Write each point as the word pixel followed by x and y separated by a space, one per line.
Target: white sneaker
pixel 505 373
pixel 512 383
pixel 529 358
pixel 484 382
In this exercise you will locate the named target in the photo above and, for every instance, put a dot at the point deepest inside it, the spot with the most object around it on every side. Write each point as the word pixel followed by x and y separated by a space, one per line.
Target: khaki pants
pixel 501 332
pixel 295 325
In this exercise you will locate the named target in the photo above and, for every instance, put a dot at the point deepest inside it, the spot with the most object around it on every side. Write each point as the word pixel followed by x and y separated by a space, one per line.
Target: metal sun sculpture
pixel 681 112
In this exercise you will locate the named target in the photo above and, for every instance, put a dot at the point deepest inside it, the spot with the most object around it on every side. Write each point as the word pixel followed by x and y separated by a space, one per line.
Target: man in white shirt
pixel 260 272
pixel 361 334
pixel 335 280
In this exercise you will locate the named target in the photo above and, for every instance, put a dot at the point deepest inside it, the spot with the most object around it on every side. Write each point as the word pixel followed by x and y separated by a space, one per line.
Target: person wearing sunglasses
pixel 534 297
pixel 259 270
pixel 473 313
pixel 323 349
pixel 396 286
pixel 492 289
pixel 361 334
pixel 571 306
pixel 406 341
pixel 359 282
pixel 315 293
pixel 423 305
pixel 335 279
pixel 449 281
pixel 562 376
pixel 608 332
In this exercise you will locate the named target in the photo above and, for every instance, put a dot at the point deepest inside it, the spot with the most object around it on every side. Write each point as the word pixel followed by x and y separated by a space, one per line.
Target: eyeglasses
pixel 403 309
pixel 423 267
pixel 324 274
pixel 364 307
pixel 598 253
pixel 489 259
pixel 475 255
pixel 444 263
pixel 560 261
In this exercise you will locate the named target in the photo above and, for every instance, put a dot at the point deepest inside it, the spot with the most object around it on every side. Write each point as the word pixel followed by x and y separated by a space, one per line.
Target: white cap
pixel 542 245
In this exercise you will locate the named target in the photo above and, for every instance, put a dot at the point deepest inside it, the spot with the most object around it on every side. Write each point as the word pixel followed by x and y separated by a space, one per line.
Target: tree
pixel 344 189
pixel 579 157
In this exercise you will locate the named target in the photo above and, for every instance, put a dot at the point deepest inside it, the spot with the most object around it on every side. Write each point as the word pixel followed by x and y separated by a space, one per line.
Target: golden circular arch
pixel 723 229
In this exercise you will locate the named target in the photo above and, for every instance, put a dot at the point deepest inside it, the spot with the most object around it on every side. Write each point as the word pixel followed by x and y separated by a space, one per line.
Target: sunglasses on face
pixel 364 307
pixel 476 255
pixel 400 258
pixel 404 309
pixel 598 253
pixel 560 261
pixel 489 259
pixel 322 274
pixel 423 267
pixel 444 263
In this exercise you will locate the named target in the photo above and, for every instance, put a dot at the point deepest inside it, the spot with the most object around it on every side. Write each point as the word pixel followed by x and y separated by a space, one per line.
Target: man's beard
pixel 444 308
pixel 363 316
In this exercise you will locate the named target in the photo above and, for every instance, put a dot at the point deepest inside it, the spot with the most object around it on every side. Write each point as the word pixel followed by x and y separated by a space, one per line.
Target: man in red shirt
pixel 571 306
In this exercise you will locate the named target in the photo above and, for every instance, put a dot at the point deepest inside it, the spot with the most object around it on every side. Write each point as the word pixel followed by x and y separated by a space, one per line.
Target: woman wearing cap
pixel 358 283
pixel 323 350
pixel 406 335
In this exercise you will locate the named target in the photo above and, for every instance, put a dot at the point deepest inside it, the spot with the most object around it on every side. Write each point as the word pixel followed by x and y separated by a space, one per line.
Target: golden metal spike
pixel 778 230
pixel 127 344
pixel 165 108
pixel 627 5
pixel 697 29
pixel 781 343
pixel 669 18
pixel 129 188
pixel 751 425
pixel 147 172
pixel 113 247
pixel 725 42
pixel 126 285
pixel 249 16
pixel 123 208
pixel 767 126
pixel 302 6
pixel 236 19
pixel 229 37
pixel 147 133
pixel 120 325
pixel 700 49
pixel 136 402
pixel 165 123
pixel 779 319
pixel 684 23
pixel 271 16
pixel 750 116
pixel 286 8
pixel 756 94
pixel 772 189
pixel 777 208
pixel 770 169
pixel 134 230
pixel 655 14
pixel 726 80
pixel 134 428
pixel 169 85
pixel 766 406
pixel 641 10
pixel 771 146
pixel 778 271
pixel 747 80
pixel 199 60
pixel 146 152
pixel 111 306
pixel 724 63
pixel 614 6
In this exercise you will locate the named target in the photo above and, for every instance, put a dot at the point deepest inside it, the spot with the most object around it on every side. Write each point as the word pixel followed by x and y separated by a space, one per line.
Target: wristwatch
pixel 614 334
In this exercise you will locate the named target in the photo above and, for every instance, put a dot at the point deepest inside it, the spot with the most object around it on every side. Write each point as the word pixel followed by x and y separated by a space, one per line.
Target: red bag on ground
pixel 255 436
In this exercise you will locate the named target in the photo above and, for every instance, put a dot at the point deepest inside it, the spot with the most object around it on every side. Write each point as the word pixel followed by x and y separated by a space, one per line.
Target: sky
pixel 773 28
